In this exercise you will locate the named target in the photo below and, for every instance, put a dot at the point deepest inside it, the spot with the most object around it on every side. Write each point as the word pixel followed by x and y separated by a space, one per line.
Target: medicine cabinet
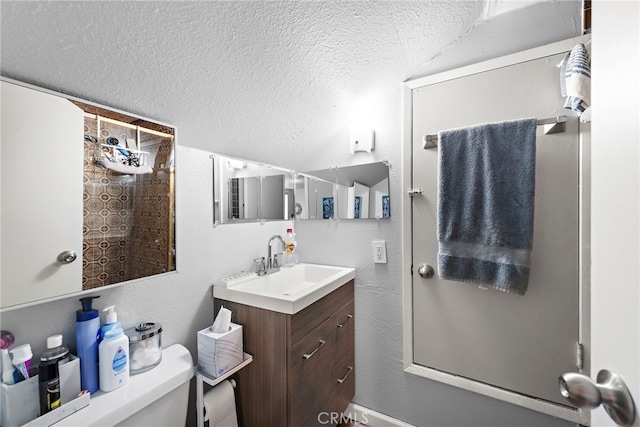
pixel 88 196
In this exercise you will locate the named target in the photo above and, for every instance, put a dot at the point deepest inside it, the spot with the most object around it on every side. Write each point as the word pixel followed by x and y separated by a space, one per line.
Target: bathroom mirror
pixel 350 192
pixel 246 191
pixel 315 197
pixel 129 198
pixel 96 206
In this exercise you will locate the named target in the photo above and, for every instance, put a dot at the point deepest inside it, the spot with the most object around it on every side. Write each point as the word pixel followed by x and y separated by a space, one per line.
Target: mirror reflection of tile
pixel 327 207
pixel 356 206
pixel 386 208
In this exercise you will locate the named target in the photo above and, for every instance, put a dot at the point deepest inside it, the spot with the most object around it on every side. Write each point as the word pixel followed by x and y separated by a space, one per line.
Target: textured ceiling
pixel 234 76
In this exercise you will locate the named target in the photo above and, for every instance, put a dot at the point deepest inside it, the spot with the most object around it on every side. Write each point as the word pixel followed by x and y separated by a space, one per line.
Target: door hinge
pixel 415 192
pixel 579 356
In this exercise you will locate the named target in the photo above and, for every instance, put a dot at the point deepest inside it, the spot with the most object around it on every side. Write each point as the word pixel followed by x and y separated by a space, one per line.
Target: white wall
pixel 182 302
pixel 615 180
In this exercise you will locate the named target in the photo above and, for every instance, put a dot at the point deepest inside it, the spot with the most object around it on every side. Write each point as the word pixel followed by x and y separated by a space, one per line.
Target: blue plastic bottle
pixel 87 340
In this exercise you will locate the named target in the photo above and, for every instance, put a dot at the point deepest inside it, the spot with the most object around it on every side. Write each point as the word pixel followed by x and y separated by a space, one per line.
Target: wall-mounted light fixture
pixel 361 139
pixel 361 120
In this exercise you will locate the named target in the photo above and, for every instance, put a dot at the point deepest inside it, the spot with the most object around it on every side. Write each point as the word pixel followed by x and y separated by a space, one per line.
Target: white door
pixel 42 163
pixel 518 343
pixel 615 296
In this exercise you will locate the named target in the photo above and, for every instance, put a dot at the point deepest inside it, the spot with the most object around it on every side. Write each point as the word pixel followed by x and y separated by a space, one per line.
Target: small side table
pixel 202 377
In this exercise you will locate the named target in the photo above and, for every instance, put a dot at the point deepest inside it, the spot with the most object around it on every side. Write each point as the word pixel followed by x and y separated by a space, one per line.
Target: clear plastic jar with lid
pixel 145 346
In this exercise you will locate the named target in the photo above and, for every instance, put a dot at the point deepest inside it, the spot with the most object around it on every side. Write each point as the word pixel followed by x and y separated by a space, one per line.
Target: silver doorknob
pixel 425 271
pixel 608 390
pixel 67 257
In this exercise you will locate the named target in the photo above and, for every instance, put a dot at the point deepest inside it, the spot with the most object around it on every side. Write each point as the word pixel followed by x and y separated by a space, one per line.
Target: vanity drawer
pixel 338 396
pixel 344 382
pixel 312 364
pixel 307 319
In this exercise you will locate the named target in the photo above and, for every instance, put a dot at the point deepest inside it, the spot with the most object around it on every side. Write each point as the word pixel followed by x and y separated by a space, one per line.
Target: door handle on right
pixel 608 390
pixel 425 271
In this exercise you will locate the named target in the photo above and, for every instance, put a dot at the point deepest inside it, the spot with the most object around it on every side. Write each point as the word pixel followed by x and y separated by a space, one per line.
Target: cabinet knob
pixel 67 257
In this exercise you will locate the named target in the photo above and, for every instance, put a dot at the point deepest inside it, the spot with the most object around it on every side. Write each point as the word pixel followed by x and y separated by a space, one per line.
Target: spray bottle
pixel 9 373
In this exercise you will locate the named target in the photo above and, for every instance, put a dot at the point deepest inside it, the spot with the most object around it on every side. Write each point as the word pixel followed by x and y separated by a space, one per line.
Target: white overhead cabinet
pixel 41 180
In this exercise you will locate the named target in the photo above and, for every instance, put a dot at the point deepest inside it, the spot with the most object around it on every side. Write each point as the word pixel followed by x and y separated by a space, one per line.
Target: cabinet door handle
pixel 308 355
pixel 349 317
pixel 341 380
pixel 67 257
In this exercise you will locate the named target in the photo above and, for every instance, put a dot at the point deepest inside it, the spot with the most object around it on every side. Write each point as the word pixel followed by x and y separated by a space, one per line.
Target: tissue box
pixel 220 352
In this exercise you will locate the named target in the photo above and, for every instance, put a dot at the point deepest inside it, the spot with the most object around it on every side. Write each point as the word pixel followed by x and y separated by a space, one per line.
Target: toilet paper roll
pixel 220 406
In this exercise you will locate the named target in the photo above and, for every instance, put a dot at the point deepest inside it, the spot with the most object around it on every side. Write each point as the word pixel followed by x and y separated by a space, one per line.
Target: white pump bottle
pixel 110 321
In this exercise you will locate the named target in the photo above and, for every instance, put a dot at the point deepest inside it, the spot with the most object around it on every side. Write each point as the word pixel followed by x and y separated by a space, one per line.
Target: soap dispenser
pixel 87 340
pixel 110 321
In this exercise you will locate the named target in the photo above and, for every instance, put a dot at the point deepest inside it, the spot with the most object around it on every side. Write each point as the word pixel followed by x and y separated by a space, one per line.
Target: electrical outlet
pixel 379 252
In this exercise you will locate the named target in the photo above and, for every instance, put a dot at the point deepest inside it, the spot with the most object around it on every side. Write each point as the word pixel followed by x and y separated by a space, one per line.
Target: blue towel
pixel 486 204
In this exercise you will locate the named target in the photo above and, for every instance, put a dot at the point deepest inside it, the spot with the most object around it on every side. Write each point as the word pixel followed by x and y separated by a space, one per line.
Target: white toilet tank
pixel 158 397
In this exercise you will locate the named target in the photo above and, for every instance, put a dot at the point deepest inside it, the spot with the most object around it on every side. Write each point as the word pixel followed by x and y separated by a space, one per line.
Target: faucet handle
pixel 261 268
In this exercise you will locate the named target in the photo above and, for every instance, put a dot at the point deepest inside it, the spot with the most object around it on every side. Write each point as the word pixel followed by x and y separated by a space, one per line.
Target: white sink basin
pixel 288 290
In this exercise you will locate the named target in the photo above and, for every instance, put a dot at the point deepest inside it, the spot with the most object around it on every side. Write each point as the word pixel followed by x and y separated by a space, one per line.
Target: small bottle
pixel 114 360
pixel 55 350
pixel 49 386
pixel 111 320
pixel 6 339
pixel 9 374
pixel 87 337
pixel 289 248
pixel 21 359
pixel 49 373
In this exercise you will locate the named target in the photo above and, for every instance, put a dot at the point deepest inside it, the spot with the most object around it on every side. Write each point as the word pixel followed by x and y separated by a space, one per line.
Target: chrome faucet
pixel 272 264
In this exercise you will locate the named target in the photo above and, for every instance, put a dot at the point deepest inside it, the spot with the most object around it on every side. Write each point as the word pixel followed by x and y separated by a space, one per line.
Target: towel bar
pixel 551 125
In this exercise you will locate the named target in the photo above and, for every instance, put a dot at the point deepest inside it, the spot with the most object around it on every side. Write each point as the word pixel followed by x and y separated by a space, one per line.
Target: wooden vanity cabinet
pixel 303 368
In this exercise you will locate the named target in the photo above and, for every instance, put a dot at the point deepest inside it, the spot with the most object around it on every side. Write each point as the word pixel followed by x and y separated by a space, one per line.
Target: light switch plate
pixel 379 252
pixel 361 139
